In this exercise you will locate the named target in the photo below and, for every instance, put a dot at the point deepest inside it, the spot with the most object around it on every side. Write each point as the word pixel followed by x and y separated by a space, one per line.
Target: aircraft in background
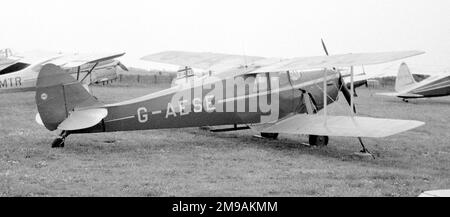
pixel 284 97
pixel 407 88
pixel 7 58
pixel 18 73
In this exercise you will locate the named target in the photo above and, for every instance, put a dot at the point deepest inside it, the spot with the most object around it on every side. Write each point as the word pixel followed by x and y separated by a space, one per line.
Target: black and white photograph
pixel 237 99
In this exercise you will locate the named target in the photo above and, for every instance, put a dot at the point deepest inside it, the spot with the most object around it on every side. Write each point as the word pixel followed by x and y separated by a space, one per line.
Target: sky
pixel 277 28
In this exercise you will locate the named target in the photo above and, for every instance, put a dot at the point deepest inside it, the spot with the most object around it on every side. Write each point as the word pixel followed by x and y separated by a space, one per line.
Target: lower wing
pixel 402 95
pixel 346 126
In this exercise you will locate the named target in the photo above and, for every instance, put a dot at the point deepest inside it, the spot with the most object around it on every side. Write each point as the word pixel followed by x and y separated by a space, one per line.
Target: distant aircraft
pixel 279 98
pixel 19 73
pixel 406 87
pixel 7 58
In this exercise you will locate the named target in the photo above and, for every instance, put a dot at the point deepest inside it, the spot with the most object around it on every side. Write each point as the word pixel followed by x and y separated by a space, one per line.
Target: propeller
pixel 342 87
pixel 324 47
pixel 122 66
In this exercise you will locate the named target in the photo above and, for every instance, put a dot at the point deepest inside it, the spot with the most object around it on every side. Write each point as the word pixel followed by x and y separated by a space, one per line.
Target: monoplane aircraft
pixel 19 73
pixel 284 97
pixel 406 86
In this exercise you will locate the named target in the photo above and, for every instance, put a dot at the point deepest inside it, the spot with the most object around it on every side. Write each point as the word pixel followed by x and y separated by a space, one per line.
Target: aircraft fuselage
pixel 433 87
pixel 242 99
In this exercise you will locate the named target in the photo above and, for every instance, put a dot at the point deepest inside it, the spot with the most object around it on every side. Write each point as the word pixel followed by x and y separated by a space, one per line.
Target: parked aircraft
pixel 280 98
pixel 19 73
pixel 406 87
pixel 7 58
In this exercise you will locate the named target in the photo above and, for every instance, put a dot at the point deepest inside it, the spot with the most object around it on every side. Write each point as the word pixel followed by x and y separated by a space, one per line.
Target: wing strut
pixel 90 71
pixel 352 89
pixel 78 72
pixel 325 96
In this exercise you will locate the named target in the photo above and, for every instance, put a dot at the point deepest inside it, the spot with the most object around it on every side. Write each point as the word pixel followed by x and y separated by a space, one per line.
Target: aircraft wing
pixel 202 60
pixel 342 60
pixel 75 60
pixel 397 94
pixel 346 126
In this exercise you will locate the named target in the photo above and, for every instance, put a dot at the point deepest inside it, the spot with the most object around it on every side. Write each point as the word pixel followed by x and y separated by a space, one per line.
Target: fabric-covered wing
pixel 346 126
pixel 75 60
pixel 343 60
pixel 202 60
pixel 402 95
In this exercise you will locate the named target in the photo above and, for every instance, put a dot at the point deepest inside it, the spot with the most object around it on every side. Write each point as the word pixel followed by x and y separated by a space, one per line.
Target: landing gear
pixel 59 142
pixel 315 140
pixel 269 135
pixel 405 100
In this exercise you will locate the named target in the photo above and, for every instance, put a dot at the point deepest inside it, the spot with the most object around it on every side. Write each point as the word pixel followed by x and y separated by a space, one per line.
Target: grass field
pixel 193 162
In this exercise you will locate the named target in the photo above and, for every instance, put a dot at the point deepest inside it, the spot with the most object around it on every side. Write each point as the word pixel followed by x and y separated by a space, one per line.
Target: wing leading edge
pixel 75 60
pixel 345 126
pixel 342 60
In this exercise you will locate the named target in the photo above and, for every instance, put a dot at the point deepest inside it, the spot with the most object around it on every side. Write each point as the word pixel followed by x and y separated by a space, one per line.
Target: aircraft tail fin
pixel 58 94
pixel 404 78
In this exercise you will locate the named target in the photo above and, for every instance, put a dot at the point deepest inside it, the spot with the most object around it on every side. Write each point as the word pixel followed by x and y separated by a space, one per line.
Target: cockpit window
pixel 185 72
pixel 14 68
pixel 5 53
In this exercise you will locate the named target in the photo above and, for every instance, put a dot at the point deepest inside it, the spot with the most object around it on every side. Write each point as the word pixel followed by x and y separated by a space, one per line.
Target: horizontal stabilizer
pixel 346 126
pixel 83 119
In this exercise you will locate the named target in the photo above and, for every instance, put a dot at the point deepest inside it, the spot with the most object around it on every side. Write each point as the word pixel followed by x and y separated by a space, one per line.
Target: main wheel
pixel 58 143
pixel 318 140
pixel 270 135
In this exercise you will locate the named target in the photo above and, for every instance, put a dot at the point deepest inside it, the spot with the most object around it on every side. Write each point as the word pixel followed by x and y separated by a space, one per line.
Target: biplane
pixel 406 86
pixel 19 73
pixel 283 97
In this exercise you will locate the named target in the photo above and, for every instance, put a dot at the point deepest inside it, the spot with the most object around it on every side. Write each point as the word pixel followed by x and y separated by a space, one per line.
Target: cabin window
pixel 14 68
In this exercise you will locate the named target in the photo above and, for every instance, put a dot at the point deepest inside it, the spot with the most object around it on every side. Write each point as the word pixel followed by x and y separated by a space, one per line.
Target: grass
pixel 193 162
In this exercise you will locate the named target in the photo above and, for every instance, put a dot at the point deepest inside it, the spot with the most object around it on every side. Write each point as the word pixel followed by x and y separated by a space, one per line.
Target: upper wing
pixel 342 126
pixel 75 60
pixel 343 60
pixel 202 60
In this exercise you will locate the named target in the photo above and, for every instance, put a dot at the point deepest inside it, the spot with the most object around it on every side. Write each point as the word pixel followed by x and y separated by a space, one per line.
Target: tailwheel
pixel 269 135
pixel 315 140
pixel 59 142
